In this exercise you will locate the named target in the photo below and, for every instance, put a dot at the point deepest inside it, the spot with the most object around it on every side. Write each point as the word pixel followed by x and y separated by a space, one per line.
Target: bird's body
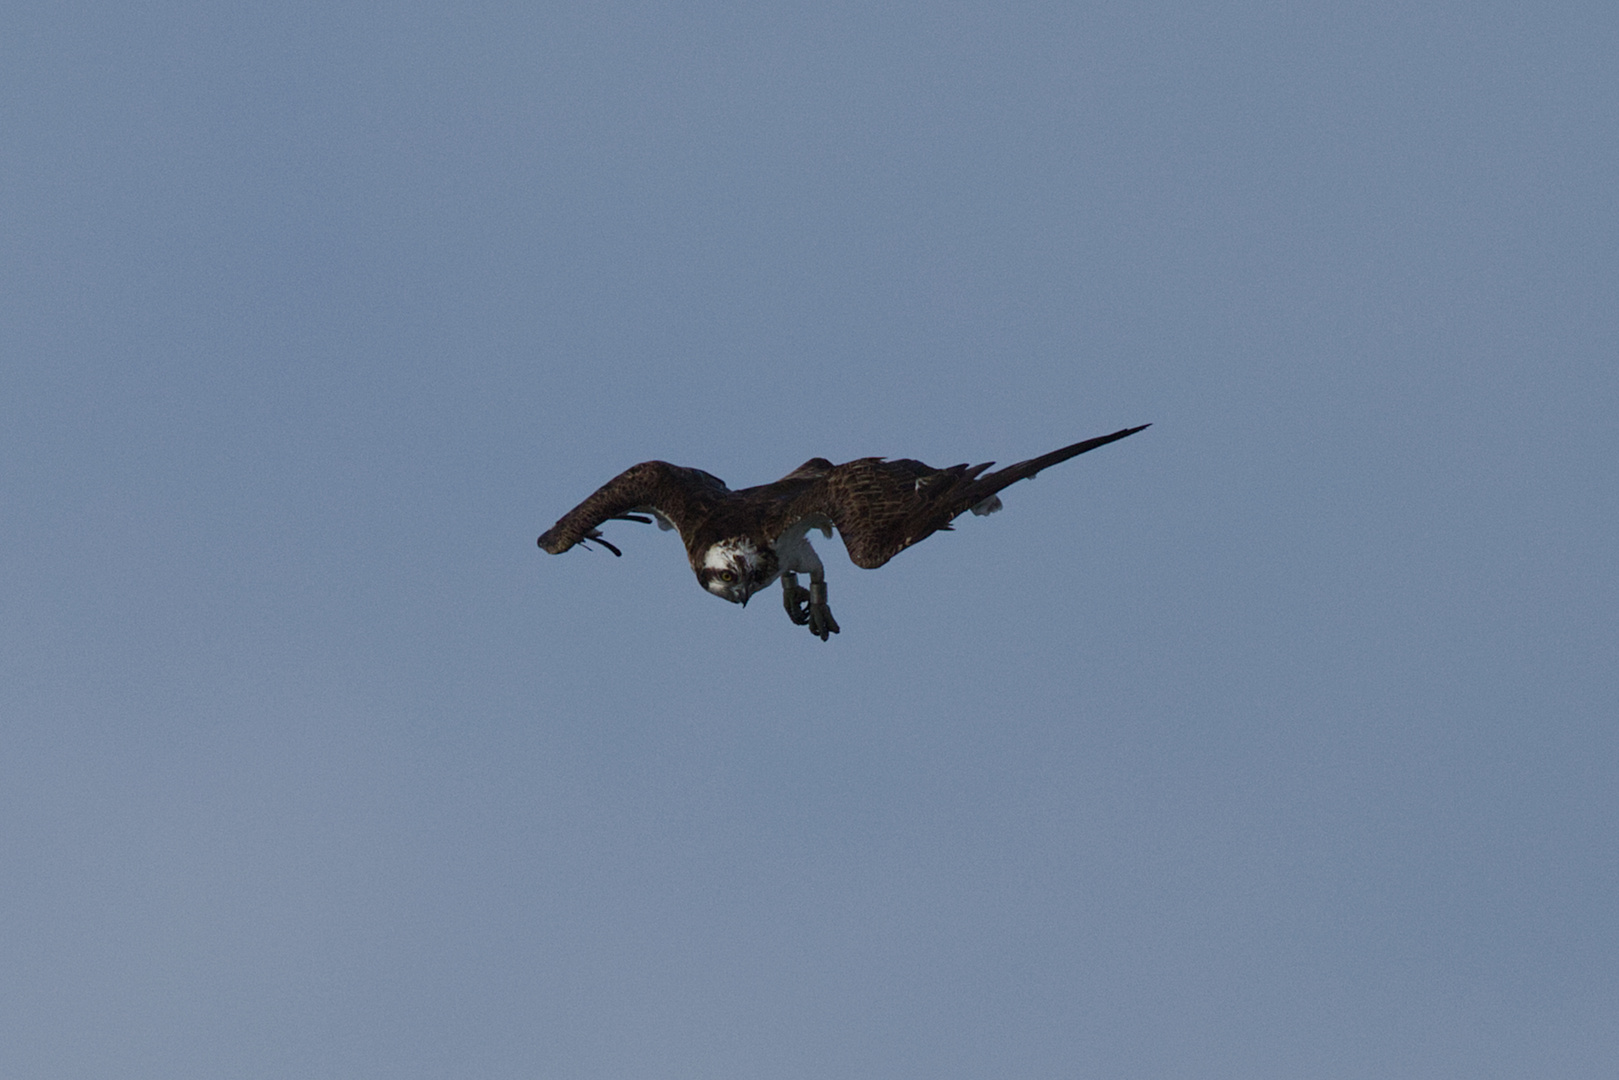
pixel 738 542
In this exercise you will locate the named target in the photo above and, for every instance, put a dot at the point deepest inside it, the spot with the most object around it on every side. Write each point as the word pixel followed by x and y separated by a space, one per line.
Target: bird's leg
pixel 821 622
pixel 793 598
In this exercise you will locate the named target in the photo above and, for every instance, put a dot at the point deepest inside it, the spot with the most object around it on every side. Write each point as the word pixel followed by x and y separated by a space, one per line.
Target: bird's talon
pixel 821 622
pixel 795 598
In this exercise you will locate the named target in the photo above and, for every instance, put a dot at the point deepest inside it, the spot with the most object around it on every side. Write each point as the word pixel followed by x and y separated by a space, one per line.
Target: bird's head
pixel 735 569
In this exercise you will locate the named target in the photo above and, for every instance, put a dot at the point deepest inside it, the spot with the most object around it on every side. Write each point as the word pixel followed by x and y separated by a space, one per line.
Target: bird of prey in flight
pixel 738 542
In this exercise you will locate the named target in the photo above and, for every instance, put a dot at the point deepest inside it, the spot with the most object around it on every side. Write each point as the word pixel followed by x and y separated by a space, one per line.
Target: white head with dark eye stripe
pixel 735 569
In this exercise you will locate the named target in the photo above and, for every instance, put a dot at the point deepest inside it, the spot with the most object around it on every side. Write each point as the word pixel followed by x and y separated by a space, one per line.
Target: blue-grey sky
pixel 1276 741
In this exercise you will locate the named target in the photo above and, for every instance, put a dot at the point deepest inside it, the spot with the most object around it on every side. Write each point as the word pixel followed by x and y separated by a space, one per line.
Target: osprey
pixel 740 541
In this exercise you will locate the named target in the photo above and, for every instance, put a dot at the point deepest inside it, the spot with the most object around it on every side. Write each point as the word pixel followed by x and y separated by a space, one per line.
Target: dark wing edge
pixel 813 469
pixel 932 501
pixel 676 493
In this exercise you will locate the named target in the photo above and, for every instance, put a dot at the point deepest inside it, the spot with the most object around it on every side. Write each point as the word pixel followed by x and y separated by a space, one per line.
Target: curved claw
pixel 794 597
pixel 821 622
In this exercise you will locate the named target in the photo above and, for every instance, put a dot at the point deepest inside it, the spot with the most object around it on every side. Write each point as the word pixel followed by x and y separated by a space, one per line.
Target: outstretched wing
pixel 883 507
pixel 685 498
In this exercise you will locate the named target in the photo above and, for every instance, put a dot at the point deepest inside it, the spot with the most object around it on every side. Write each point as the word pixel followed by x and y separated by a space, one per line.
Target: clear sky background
pixel 1276 741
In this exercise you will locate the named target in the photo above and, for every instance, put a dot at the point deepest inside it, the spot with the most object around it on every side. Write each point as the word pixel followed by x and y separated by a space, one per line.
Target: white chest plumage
pixel 793 546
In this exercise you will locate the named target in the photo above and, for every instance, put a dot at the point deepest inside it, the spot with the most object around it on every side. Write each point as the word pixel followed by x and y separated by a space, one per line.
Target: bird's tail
pixel 983 488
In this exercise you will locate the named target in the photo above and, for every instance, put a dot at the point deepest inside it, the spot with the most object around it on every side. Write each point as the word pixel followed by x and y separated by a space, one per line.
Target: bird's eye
pixel 727 577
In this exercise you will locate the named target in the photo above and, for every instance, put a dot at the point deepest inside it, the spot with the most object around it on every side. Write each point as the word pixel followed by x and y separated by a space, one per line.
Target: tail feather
pixel 984 488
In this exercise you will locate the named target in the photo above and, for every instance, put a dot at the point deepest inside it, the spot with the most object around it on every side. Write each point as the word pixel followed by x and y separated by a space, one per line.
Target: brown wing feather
pixel 686 497
pixel 883 507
